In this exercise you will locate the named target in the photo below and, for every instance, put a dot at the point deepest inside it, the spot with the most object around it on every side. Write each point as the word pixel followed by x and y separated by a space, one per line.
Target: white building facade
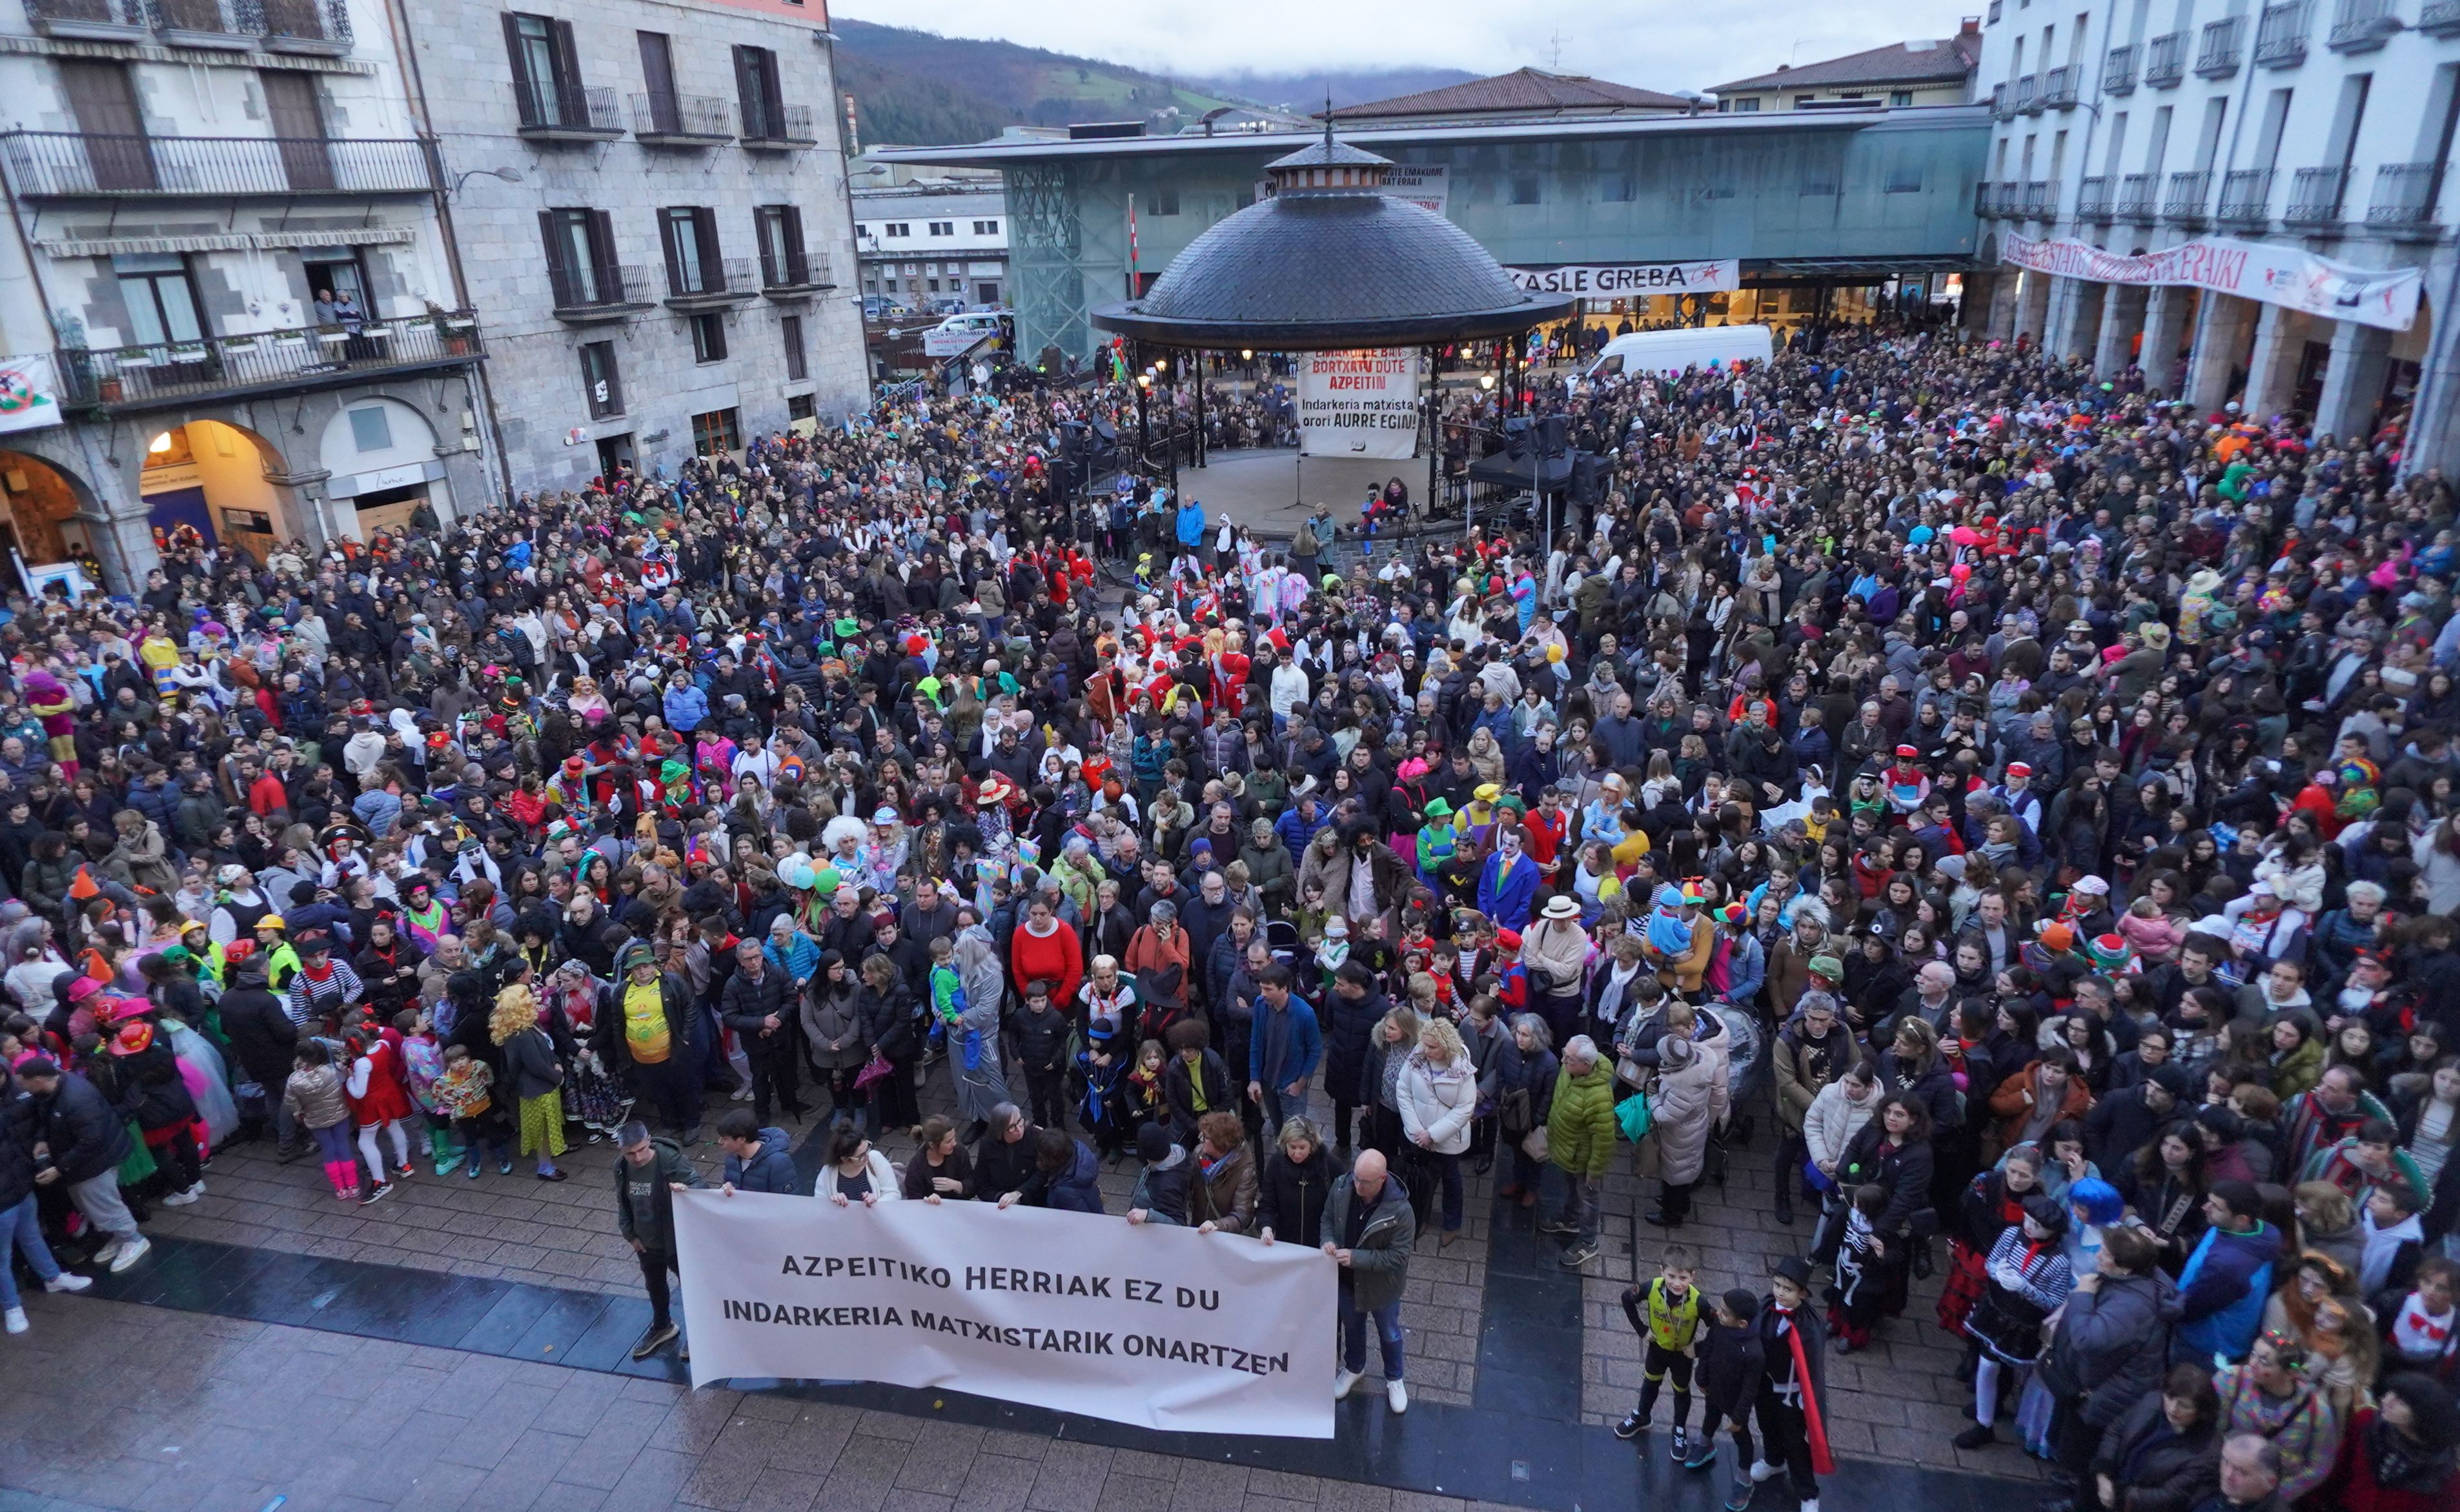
pixel 2314 129
pixel 925 243
pixel 229 308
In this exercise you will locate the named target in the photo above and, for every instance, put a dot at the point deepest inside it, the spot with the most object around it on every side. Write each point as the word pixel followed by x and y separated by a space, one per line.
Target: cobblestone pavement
pixel 1896 1403
pixel 135 1409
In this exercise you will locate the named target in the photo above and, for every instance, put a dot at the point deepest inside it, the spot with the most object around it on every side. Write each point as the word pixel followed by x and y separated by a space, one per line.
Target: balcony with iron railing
pixel 1982 200
pixel 2029 95
pixel 2361 26
pixel 2189 198
pixel 551 113
pixel 2011 199
pixel 2119 70
pixel 2041 200
pixel 132 378
pixel 2218 56
pixel 2404 195
pixel 785 128
pixel 2281 36
pixel 589 294
pixel 794 275
pixel 2136 198
pixel 80 165
pixel 710 283
pixel 2165 60
pixel 2315 196
pixel 2059 87
pixel 91 20
pixel 281 25
pixel 307 25
pixel 689 121
pixel 2093 197
pixel 1999 110
pixel 2439 17
pixel 2246 196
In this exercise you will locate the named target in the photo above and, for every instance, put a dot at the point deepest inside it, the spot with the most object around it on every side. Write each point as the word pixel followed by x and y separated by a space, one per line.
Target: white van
pixel 1671 351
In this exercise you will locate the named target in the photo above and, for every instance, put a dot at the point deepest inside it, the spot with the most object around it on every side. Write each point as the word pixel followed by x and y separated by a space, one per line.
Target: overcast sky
pixel 1657 46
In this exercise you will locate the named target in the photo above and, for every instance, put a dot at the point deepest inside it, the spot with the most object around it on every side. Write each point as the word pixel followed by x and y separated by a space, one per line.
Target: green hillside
pixel 917 88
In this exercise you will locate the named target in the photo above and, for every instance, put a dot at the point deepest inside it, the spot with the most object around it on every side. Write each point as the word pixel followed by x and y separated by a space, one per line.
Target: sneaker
pixel 17 1323
pixel 68 1281
pixel 1556 1225
pixel 742 1095
pixel 377 1193
pixel 182 1199
pixel 658 1338
pixel 1681 1442
pixel 1761 1470
pixel 475 1166
pixel 1977 1437
pixel 1842 1346
pixel 1702 1454
pixel 1632 1426
pixel 447 1165
pixel 130 1252
pixel 1740 1497
pixel 405 1171
pixel 552 1175
pixel 505 1166
pixel 1810 1505
pixel 1397 1394
pixel 1580 1255
pixel 1660 1218
pixel 1344 1382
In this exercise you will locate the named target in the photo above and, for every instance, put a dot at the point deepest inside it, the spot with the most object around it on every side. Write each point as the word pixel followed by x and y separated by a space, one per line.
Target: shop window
pixel 719 431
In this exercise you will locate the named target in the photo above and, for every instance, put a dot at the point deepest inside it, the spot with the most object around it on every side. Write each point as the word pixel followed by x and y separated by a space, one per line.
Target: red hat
pixel 1906 754
pixel 239 949
pixel 133 1040
pixel 573 764
pixel 2019 769
pixel 1507 939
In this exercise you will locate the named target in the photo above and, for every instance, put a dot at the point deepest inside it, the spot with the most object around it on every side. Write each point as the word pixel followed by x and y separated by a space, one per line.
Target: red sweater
pixel 1056 959
pixel 2353 1487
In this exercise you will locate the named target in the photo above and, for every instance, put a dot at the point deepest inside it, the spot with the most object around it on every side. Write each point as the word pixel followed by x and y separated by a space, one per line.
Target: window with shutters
pixel 581 258
pixel 708 337
pixel 791 332
pixel 756 86
pixel 599 381
pixel 783 263
pixel 546 71
pixel 689 234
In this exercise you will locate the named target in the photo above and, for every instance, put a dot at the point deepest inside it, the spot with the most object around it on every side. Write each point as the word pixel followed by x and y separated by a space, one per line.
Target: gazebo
pixel 1328 262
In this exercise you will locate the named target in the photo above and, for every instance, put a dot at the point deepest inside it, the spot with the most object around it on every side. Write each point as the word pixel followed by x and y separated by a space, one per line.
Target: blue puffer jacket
pixel 2222 1290
pixel 1080 1191
pixel 770 1171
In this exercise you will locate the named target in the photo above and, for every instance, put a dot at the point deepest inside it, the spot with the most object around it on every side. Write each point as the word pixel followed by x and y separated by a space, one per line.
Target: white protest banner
pixel 1157 1325
pixel 1632 279
pixel 1359 404
pixel 2255 270
pixel 1426 185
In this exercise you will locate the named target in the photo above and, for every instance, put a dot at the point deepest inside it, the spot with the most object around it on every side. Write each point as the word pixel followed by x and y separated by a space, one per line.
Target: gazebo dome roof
pixel 1329 261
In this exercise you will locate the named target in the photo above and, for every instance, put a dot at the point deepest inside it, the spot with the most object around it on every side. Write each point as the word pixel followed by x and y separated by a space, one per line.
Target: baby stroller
pixel 1281 939
pixel 1748 1076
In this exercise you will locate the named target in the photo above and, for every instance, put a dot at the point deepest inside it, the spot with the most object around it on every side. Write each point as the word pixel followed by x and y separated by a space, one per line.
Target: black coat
pixel 606 1035
pixel 18 1137
pixel 2152 1468
pixel 746 1004
pixel 1905 1173
pixel 1289 1200
pixel 888 1020
pixel 1180 1085
pixel 263 1038
pixel 87 1135
pixel 1346 1028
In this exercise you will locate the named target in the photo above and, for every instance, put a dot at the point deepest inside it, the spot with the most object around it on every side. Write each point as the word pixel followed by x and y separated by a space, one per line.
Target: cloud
pixel 1661 47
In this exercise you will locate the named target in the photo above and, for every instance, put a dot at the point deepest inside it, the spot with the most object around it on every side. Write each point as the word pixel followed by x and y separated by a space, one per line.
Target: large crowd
pixel 2030 802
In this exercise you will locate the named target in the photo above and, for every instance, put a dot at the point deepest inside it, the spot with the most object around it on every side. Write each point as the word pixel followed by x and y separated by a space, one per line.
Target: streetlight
pixel 1486 381
pixel 508 174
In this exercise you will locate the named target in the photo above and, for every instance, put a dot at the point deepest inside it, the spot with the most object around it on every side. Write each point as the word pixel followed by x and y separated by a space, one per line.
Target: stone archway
pixel 41 505
pixel 217 482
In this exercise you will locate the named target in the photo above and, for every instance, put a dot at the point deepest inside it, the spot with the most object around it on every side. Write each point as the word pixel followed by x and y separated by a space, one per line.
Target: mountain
pixel 920 89
pixel 1304 93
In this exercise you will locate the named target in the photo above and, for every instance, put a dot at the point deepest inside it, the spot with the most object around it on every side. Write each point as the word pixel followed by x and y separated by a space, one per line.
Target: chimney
pixel 1971 27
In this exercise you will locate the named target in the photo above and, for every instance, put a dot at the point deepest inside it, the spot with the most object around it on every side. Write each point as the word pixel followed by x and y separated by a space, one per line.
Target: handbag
pixel 872 1070
pixel 1630 1073
pixel 1632 1117
pixel 1536 1146
pixel 1515 1112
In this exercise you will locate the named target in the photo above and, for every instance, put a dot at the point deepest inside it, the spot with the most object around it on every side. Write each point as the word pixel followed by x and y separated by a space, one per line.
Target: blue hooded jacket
pixel 2222 1291
pixel 1191 524
pixel 770 1171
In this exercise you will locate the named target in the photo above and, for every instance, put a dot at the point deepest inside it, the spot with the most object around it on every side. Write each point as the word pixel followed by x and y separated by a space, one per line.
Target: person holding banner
pixel 651 1171
pixel 1370 1232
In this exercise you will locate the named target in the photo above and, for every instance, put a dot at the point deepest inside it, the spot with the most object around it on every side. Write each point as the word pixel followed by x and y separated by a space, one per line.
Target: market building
pixel 1899 75
pixel 926 243
pixel 1643 210
pixel 2247 202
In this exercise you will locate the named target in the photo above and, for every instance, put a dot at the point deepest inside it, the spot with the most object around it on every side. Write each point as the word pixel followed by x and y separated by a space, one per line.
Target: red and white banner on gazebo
pixel 2255 270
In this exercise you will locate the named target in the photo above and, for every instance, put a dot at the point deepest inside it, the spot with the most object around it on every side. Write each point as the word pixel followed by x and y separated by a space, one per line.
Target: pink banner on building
pixel 2255 270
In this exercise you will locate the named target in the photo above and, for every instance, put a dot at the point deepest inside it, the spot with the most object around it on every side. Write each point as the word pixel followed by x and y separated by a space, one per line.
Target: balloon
pixel 1960 571
pixel 828 881
pixel 795 872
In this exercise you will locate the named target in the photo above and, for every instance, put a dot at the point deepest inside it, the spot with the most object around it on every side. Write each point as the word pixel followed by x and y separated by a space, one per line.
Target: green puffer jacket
pixel 1581 1130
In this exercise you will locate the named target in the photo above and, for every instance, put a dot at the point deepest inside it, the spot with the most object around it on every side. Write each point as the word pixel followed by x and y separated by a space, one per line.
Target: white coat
pixel 1438 1101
